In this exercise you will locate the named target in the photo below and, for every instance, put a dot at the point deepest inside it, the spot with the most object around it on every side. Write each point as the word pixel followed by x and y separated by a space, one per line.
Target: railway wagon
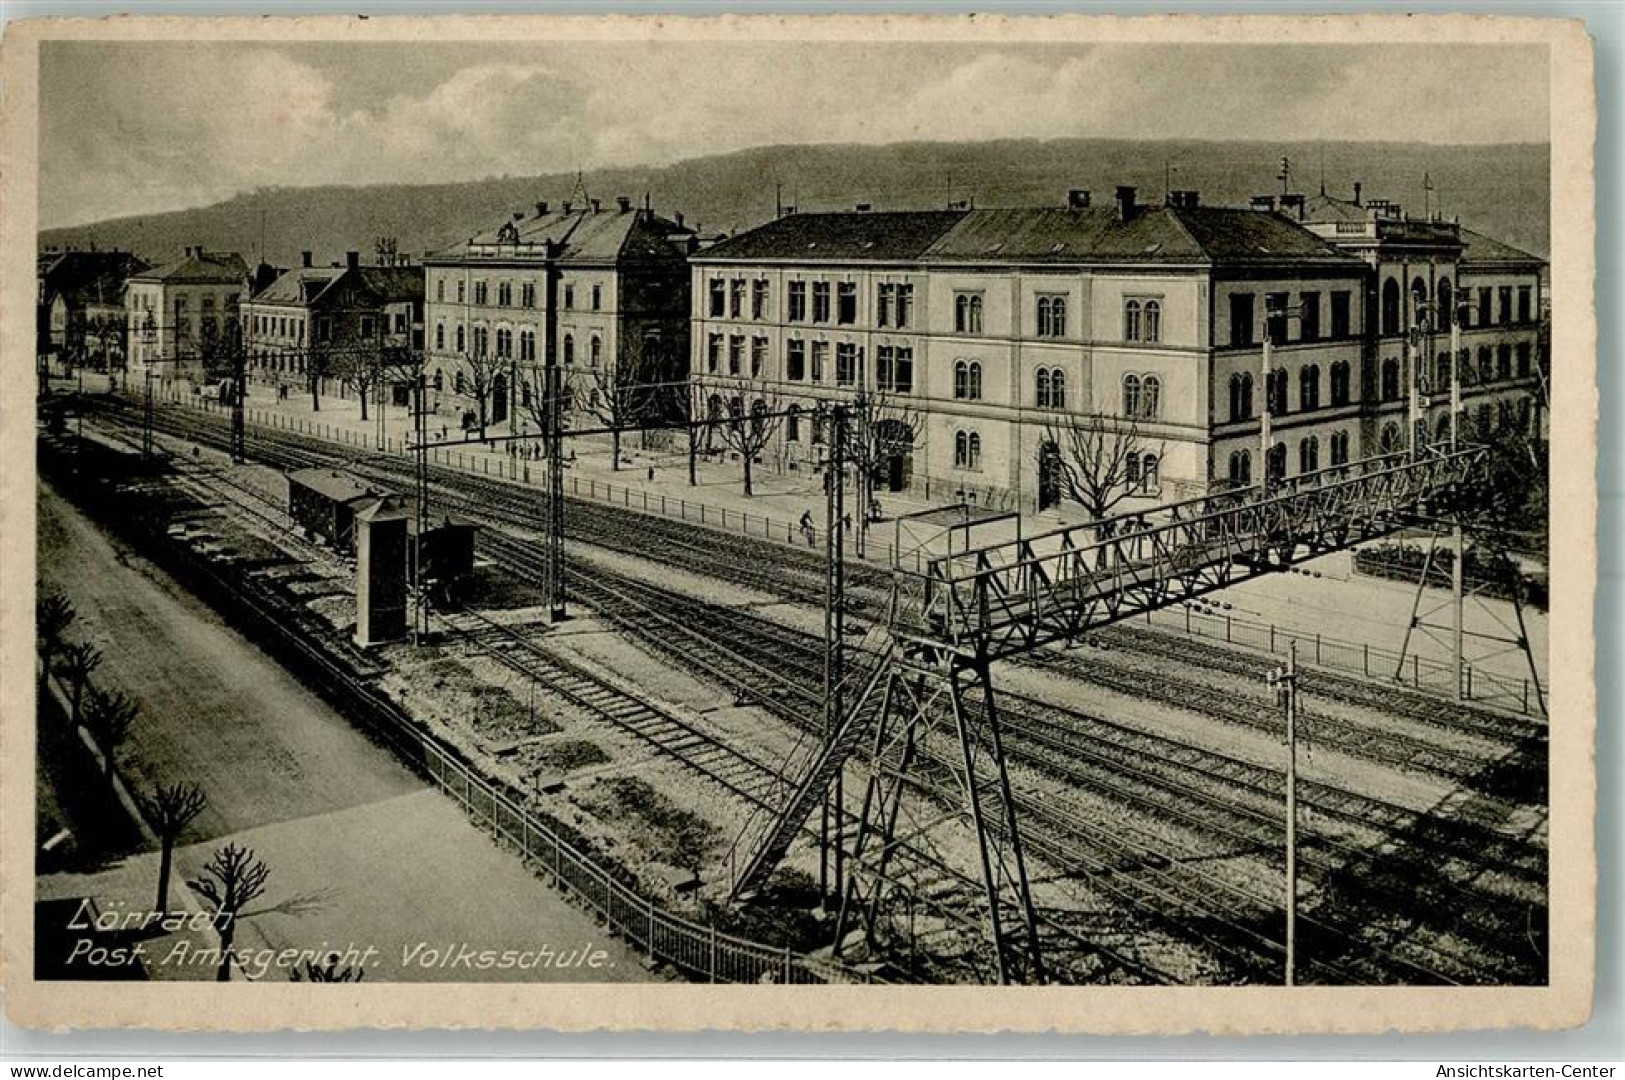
pixel 324 502
pixel 445 551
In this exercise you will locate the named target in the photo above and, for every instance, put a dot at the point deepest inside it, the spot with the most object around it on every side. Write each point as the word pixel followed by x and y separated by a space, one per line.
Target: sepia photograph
pixel 858 505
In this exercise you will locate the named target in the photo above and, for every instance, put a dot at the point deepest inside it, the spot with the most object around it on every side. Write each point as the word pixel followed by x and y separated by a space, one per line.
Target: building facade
pixel 81 307
pixel 178 313
pixel 310 321
pixel 619 284
pixel 999 332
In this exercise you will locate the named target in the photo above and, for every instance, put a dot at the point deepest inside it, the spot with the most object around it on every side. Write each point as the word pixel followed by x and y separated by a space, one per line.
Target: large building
pixel 178 313
pixel 620 282
pixel 1000 331
pixel 81 306
pixel 310 320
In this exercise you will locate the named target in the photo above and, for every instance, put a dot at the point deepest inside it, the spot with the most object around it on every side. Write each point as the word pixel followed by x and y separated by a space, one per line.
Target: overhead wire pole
pixel 1285 682
pixel 420 431
pixel 239 388
pixel 831 883
pixel 553 388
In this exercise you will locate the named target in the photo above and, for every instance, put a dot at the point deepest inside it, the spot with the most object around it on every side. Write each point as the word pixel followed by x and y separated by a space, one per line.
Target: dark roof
pixel 338 486
pixel 1188 235
pixel 88 277
pixel 297 286
pixel 226 266
pixel 1483 249
pixel 393 284
pixel 582 235
pixel 887 236
pixel 1329 208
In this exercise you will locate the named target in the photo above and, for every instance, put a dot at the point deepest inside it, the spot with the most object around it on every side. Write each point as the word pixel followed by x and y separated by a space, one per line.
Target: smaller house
pixel 81 307
pixel 325 503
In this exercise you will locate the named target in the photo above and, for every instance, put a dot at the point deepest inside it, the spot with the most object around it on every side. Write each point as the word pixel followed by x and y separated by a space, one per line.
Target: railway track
pixel 739 669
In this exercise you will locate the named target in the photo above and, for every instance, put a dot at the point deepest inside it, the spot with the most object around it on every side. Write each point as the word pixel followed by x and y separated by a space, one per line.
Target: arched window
pixel 524 393
pixel 1279 387
pixel 968 313
pixel 460 385
pixel 1526 414
pixel 1390 306
pixel 1419 296
pixel 974 326
pixel 1525 360
pixel 569 349
pixel 1441 430
pixel 967 380
pixel 1447 309
pixel 1277 462
pixel 1052 316
pixel 1340 448
pixel 713 408
pixel 1389 443
pixel 596 350
pixel 1309 454
pixel 1340 383
pixel 1153 322
pixel 792 424
pixel 1150 473
pixel 1131 471
pixel 439 380
pixel 592 398
pixel 1057 389
pixel 1503 361
pixel 736 408
pixel 1151 397
pixel 1390 380
pixel 1241 395
pixel 1309 387
pixel 1042 379
pixel 1241 468
pixel 440 335
pixel 975 381
pixel 1464 366
pixel 460 337
pixel 1441 371
pixel 1131 321
pixel 1131 395
pixel 967 451
pixel 758 418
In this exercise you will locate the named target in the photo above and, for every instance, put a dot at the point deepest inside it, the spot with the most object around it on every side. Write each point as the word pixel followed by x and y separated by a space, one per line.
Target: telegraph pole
pixel 554 389
pixel 1285 683
pixel 420 432
pixel 239 388
pixel 1458 542
pixel 1267 383
pixel 834 646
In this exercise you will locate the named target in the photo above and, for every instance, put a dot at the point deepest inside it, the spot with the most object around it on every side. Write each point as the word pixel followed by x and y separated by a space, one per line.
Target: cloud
pixel 147 127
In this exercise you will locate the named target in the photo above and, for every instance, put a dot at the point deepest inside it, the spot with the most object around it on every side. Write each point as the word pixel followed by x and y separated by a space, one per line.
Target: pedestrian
pixel 807 527
pixel 651 474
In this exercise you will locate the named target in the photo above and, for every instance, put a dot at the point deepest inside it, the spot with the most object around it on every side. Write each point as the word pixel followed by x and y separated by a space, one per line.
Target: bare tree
pixel 880 429
pixel 701 430
pixel 747 428
pixel 78 663
pixel 1099 461
pixel 52 617
pixel 619 399
pixel 361 368
pixel 109 715
pixel 327 972
pixel 483 366
pixel 232 880
pixel 170 810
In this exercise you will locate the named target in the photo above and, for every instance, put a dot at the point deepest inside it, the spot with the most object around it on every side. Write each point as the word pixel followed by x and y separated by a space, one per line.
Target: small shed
pixel 446 548
pixel 325 501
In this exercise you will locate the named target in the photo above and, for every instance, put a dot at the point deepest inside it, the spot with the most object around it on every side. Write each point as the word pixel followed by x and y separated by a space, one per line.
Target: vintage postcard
pixel 930 523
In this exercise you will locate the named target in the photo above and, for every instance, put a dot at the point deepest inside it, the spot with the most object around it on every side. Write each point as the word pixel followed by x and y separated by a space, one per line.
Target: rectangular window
pixel 905 306
pixel 1275 305
pixel 736 298
pixel 1309 320
pixel 597 297
pixel 400 322
pixel 758 356
pixel 440 290
pixel 719 298
pixel 1525 304
pixel 820 360
pixel 846 364
pixel 461 291
pixel 713 353
pixel 903 372
pixel 1506 303
pixel 1484 318
pixel 527 294
pixel 798 302
pixel 758 298
pixel 820 312
pixel 479 294
pixel 1241 318
pixel 736 354
pixel 1340 315
pixel 795 360
pixel 885 302
pixel 504 294
pixel 846 303
pixel 569 296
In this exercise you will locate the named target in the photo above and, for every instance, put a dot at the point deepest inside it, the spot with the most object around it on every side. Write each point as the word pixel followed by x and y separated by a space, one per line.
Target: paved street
pixel 387 862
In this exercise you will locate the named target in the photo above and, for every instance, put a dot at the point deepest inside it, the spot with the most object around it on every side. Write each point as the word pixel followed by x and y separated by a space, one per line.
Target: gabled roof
pixel 887 236
pixel 339 486
pixel 87 277
pixel 392 284
pixel 297 286
pixel 205 267
pixel 581 236
pixel 1485 250
pixel 1329 208
pixel 1059 235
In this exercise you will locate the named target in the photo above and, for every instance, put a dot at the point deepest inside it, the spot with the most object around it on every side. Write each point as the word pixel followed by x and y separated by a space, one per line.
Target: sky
pixel 130 128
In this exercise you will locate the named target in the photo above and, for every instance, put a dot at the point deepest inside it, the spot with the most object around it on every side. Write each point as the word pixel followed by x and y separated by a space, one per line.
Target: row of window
pixel 1279 385
pixel 506 339
pixel 1492 306
pixel 505 294
pixel 1280 312
pixel 1501 364
pixel 283 326
pixel 1241 461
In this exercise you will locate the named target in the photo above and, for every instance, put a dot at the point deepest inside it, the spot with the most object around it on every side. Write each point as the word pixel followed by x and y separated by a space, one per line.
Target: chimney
pixel 1125 202
pixel 679 219
pixel 541 208
pixel 1294 202
pixel 1357 193
pixel 624 202
pixel 1263 202
pixel 1077 198
pixel 596 206
pixel 304 259
pixel 352 259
